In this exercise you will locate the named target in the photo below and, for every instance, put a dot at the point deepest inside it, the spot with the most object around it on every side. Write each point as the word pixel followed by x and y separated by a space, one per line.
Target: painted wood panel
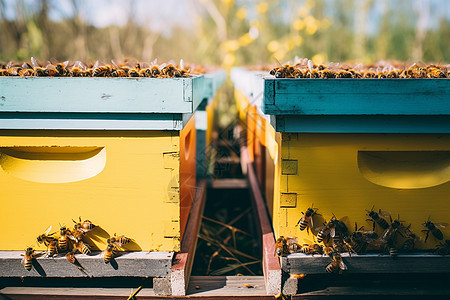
pixel 135 194
pixel 123 95
pixel 356 96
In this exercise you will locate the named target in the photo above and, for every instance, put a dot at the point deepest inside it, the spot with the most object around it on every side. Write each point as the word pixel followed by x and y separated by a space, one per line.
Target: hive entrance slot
pixel 47 164
pixel 405 169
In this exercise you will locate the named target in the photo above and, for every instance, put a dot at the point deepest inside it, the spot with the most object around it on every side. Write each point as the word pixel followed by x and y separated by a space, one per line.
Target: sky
pixel 162 16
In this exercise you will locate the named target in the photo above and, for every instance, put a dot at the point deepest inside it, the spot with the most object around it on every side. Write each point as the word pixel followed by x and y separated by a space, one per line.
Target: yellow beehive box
pixel 347 174
pixel 127 182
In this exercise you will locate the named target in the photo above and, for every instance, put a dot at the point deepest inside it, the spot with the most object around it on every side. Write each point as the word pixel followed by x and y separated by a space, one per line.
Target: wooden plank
pixel 355 291
pixel 357 97
pixel 182 265
pixel 140 264
pixel 299 263
pixel 73 291
pixel 123 95
pixel 93 121
pixel 226 286
pixel 229 183
pixel 363 124
pixel 271 265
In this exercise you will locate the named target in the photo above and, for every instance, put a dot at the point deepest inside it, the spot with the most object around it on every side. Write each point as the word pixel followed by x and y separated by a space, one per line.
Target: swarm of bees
pixel 69 241
pixel 127 68
pixel 334 238
pixel 305 68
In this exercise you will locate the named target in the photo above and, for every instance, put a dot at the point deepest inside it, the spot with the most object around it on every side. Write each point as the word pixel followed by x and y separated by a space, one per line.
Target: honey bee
pixel 433 228
pixel 63 241
pixel 360 238
pixel 168 70
pixel 369 74
pixel 118 240
pixel 154 70
pixel 306 221
pixel 77 69
pixel 434 71
pixel 344 74
pixel 52 248
pixel 109 253
pixel 393 74
pixel 50 70
pixel 46 237
pixel 325 74
pixel 351 246
pixel 443 248
pixel 337 262
pixel 82 247
pixel 38 70
pixel 329 229
pixel 292 245
pixel 378 218
pixel 61 68
pixel 29 257
pixel 281 246
pixel 381 75
pixel 26 70
pixel 391 232
pixel 101 71
pixel 84 226
pixel 409 243
pixel 312 249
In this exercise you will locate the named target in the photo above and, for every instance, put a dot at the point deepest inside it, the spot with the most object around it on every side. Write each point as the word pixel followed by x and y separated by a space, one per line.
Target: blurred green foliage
pixel 238 32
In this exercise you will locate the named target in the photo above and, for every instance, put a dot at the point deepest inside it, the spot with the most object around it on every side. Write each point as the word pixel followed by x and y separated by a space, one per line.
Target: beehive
pixel 120 152
pixel 346 145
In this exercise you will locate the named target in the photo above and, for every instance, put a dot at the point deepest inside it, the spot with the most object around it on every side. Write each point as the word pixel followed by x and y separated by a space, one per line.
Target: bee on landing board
pixel 281 246
pixel 118 240
pixel 337 264
pixel 29 256
pixel 109 253
pixel 52 248
pixel 63 241
pixel 46 237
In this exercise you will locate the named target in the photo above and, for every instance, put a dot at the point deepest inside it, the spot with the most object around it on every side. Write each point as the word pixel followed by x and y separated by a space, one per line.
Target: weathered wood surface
pixel 141 264
pixel 182 265
pixel 108 95
pixel 13 292
pixel 226 285
pixel 229 183
pixel 299 263
pixel 356 96
pixel 271 265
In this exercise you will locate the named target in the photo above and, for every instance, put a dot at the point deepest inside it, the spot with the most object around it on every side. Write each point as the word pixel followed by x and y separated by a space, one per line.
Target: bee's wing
pixel 342 265
pixel 442 225
pixel 310 65
pixel 311 222
pixel 48 230
pixel 332 232
pixel 384 214
pixel 34 62
pixel 291 240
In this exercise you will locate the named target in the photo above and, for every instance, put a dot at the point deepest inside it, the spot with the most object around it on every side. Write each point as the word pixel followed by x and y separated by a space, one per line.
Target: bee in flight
pixel 306 221
pixel 433 228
